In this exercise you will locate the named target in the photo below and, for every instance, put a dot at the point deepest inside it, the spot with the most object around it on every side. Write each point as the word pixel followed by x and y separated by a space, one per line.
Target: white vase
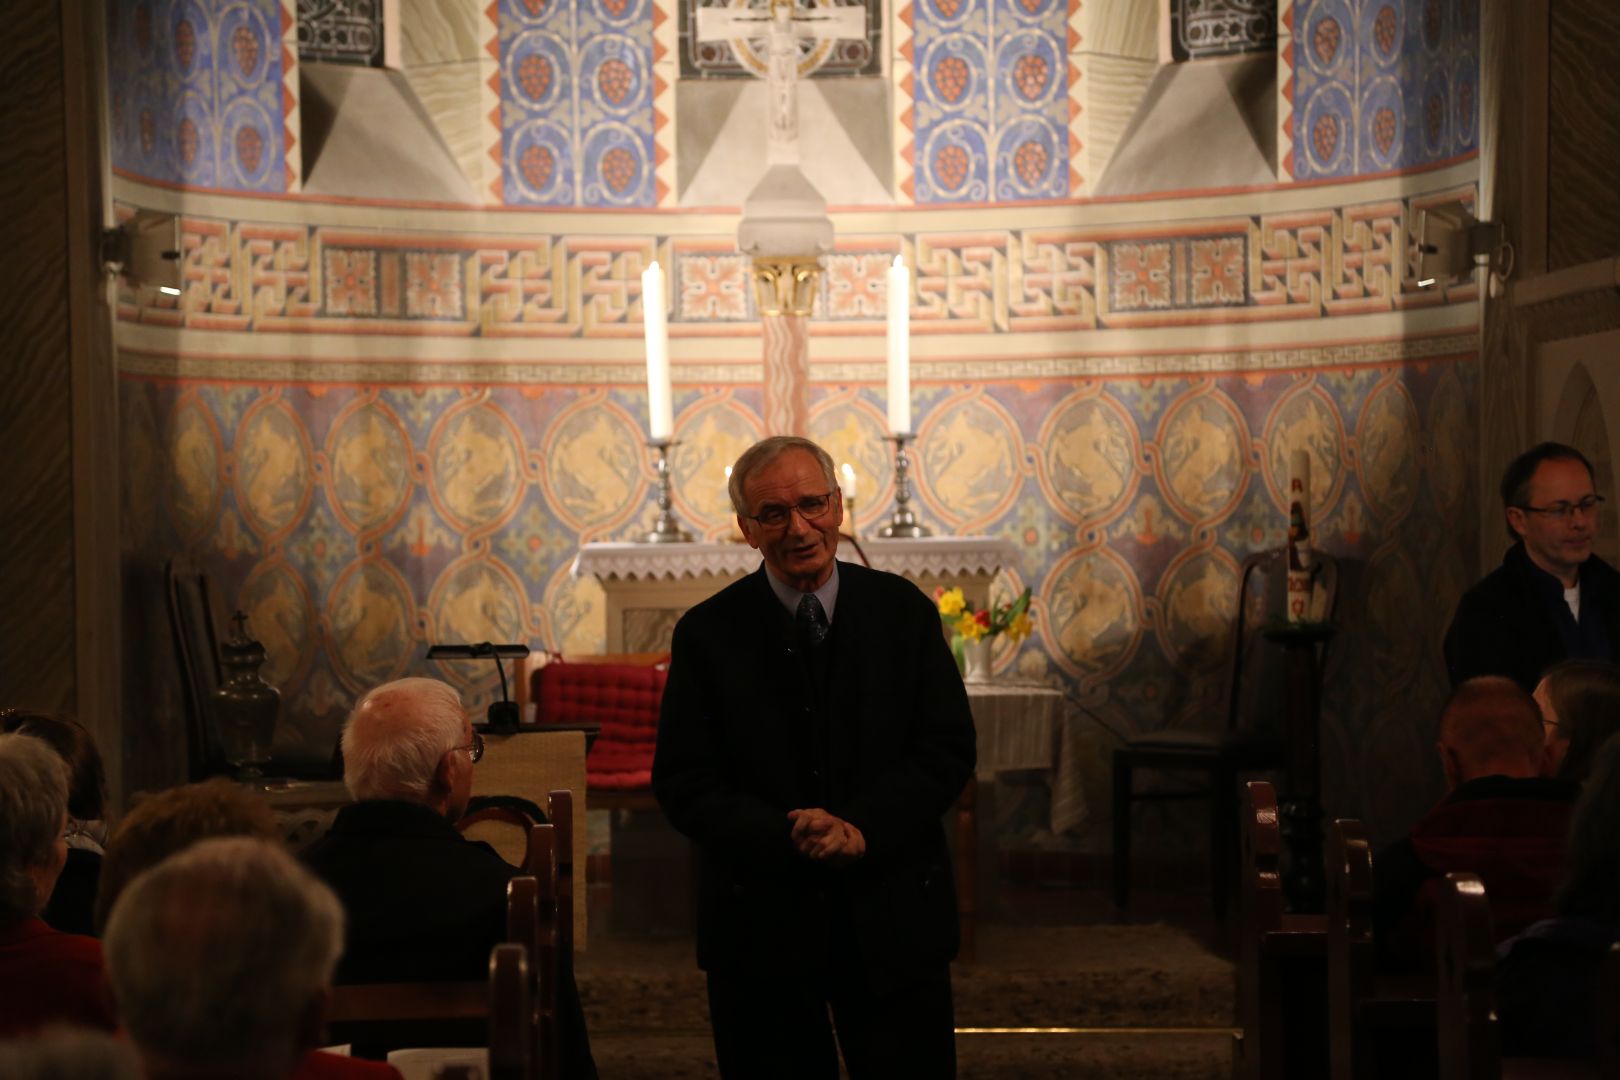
pixel 976 660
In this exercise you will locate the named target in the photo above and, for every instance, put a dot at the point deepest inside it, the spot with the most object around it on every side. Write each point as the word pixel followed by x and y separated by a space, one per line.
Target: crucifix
pixel 784 224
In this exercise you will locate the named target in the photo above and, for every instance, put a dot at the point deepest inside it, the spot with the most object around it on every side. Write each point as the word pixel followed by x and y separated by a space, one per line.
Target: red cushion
pixel 622 698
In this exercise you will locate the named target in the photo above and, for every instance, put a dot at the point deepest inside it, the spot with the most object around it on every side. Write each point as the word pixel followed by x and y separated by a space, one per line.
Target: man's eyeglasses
pixel 475 749
pixel 810 508
pixel 1567 510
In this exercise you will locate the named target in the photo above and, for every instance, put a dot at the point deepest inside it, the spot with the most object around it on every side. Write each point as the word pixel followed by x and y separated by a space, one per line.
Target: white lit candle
pixel 848 486
pixel 899 346
pixel 660 410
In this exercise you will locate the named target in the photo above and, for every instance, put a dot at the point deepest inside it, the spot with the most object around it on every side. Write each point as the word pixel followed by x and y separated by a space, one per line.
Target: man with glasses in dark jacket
pixel 814 731
pixel 1551 599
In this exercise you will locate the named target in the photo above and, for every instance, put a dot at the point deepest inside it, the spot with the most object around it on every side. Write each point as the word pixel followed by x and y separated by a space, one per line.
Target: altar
pixel 649 586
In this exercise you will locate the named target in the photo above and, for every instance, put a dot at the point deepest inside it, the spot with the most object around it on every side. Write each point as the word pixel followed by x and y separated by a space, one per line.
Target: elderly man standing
pixel 219 959
pixel 424 903
pixel 1551 599
pixel 814 731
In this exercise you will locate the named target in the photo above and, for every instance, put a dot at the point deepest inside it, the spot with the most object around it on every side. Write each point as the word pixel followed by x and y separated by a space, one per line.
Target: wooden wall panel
pixel 37 615
pixel 1583 216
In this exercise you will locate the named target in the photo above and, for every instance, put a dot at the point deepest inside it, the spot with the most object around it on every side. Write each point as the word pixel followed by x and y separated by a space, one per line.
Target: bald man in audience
pixel 425 904
pixel 220 959
pixel 1500 820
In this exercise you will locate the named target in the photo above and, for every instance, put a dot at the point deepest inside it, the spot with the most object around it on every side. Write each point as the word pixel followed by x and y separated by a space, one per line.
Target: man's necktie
pixel 811 620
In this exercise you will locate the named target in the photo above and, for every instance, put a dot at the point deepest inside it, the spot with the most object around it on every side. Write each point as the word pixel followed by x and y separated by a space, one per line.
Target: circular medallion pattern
pixel 1306 419
pixel 370 473
pixel 969 459
pixel 713 437
pixel 853 432
pixel 1092 607
pixel 477 601
pixel 477 466
pixel 1449 464
pixel 194 455
pixel 574 606
pixel 1197 601
pixel 1388 442
pixel 370 612
pixel 1202 446
pixel 1090 453
pixel 592 466
pixel 272 468
pixel 279 618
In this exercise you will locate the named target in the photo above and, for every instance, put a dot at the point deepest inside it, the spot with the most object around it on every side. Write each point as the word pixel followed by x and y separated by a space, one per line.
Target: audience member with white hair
pixel 45 976
pixel 424 903
pixel 220 958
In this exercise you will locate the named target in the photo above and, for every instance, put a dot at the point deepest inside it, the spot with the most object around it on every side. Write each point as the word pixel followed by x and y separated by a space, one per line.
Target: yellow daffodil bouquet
pixel 969 625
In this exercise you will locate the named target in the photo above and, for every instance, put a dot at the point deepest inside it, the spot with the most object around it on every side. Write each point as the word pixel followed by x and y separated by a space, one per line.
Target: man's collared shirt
pixel 790 597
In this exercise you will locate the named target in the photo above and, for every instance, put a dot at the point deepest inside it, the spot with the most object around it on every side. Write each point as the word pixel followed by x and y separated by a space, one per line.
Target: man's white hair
pixel 395 736
pixel 33 798
pixel 217 954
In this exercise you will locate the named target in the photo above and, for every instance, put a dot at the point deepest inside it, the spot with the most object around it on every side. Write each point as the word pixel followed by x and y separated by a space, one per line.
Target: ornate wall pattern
pixel 725 60
pixel 201 92
pixel 341 31
pixel 990 112
pixel 358 522
pixel 1200 28
pixel 248 276
pixel 1372 86
pixel 576 89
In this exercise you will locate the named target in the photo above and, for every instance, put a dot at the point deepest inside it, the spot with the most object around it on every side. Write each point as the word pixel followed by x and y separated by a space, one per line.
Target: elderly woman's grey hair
pixel 33 802
pixel 394 738
pixel 764 452
pixel 217 955
pixel 69 1053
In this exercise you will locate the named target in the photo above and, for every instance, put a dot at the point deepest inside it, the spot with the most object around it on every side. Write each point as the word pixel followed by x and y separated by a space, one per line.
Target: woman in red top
pixel 45 976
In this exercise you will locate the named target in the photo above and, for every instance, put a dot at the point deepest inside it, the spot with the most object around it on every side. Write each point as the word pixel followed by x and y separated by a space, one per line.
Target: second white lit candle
pixel 660 406
pixel 899 346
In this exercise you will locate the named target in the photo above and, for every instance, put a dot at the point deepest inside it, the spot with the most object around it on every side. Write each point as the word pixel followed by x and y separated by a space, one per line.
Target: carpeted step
pixel 1139 976
pixel 1096 1056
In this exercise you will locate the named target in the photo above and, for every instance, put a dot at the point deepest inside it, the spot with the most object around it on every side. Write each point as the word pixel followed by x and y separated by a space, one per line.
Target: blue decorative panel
pixel 576 103
pixel 1381 85
pixel 195 92
pixel 991 89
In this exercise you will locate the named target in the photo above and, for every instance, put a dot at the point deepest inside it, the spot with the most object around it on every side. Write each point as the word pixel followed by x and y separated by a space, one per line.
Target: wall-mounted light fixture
pixel 1452 243
pixel 145 250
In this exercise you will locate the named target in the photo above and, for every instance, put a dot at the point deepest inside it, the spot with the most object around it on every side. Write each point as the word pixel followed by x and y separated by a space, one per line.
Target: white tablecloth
pixel 1023 727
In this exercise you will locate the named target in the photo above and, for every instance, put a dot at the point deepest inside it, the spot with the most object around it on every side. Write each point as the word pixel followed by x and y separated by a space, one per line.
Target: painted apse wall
pixel 380 426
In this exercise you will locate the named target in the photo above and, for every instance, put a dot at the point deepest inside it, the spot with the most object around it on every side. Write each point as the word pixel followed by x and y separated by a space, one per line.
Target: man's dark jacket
pixel 735 754
pixel 424 904
pixel 1510 623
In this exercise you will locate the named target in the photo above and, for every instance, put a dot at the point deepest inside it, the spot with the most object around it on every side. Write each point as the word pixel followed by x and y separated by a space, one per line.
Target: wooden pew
pixel 543 844
pixel 1468 1039
pixel 378 1004
pixel 1366 1011
pixel 511 1014
pixel 1273 945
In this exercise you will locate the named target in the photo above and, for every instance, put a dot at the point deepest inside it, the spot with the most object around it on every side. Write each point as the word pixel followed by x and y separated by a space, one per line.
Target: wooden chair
pixel 1241 745
pixel 196 650
pixel 511 1014
pixel 1272 944
pixel 1365 1010
pixel 498 815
